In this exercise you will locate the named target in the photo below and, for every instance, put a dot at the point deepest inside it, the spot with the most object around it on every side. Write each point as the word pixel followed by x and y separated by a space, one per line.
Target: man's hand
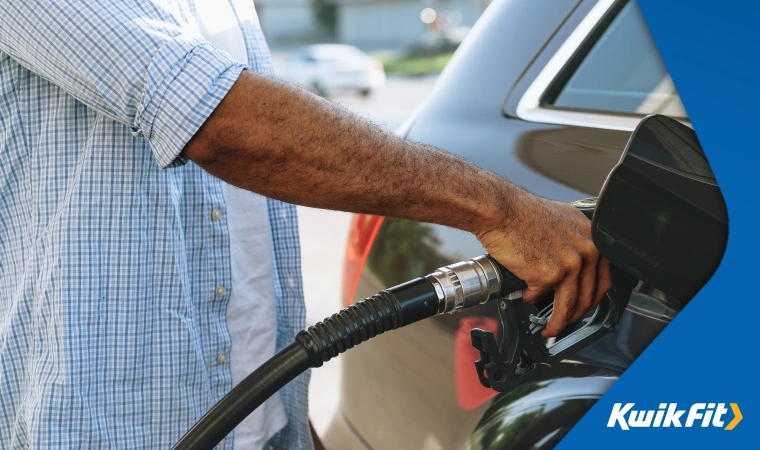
pixel 548 245
pixel 285 143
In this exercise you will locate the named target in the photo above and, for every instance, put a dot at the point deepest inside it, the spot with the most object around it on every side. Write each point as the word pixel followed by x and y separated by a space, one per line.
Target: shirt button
pixel 216 214
pixel 221 357
pixel 220 290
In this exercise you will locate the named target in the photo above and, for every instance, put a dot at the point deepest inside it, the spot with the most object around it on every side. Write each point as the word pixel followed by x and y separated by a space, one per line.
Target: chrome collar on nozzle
pixel 466 284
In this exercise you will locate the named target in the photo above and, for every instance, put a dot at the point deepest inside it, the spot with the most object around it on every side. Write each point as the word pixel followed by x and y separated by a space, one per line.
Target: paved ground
pixel 323 236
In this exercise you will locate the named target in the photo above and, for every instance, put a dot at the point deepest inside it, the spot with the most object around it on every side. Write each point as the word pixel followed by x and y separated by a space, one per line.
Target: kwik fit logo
pixel 668 415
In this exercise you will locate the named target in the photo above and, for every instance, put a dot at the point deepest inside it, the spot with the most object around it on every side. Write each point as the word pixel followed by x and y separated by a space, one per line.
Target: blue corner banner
pixel 708 354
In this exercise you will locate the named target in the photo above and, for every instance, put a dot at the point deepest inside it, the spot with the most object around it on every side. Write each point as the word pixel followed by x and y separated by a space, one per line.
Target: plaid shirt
pixel 109 322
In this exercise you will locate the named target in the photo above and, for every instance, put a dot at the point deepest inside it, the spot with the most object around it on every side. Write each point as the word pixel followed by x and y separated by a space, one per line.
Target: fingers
pixel 576 295
pixel 588 286
pixel 604 280
pixel 580 292
pixel 565 301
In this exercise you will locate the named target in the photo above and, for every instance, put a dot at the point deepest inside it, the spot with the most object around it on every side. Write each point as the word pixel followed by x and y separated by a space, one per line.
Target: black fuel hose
pixel 449 289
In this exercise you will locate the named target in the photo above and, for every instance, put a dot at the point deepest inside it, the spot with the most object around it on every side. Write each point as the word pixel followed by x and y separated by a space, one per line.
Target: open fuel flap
pixel 660 215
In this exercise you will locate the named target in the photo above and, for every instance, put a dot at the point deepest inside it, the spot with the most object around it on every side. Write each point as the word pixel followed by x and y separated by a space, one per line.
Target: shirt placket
pixel 216 293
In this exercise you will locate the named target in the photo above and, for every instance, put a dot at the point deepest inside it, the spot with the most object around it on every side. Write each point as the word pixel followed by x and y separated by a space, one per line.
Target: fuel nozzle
pixel 522 353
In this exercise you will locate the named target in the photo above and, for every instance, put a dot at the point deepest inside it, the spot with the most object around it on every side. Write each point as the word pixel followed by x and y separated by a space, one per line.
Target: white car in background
pixel 328 67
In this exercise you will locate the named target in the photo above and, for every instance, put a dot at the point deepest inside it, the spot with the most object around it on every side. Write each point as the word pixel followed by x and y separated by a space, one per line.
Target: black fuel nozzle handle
pixel 523 353
pixel 510 284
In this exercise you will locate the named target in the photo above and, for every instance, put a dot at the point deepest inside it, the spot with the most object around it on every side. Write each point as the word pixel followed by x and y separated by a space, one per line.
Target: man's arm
pixel 285 143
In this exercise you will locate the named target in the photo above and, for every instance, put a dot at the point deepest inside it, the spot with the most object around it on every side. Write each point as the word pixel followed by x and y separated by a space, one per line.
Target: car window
pixel 623 73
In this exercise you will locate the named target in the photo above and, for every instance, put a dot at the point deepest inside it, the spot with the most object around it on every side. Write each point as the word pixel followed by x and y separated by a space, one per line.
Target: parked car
pixel 547 98
pixel 327 67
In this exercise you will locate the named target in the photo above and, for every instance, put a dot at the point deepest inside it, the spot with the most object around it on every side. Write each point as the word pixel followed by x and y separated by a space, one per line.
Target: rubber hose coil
pixel 351 326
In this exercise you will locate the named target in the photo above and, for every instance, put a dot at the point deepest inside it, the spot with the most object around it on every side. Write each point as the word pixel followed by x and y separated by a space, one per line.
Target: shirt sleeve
pixel 138 62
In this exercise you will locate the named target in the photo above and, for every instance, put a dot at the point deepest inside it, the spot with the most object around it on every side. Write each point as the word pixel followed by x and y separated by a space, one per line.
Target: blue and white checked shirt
pixel 109 323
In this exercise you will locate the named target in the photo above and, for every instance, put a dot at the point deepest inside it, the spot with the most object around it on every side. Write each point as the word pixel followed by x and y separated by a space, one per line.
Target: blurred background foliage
pixel 326 13
pixel 412 65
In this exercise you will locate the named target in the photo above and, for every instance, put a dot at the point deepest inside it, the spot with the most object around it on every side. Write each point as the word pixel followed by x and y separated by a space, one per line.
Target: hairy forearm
pixel 285 143
pixel 282 142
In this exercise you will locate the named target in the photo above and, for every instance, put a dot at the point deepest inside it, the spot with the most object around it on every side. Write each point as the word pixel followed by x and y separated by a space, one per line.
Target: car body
pixel 328 67
pixel 547 98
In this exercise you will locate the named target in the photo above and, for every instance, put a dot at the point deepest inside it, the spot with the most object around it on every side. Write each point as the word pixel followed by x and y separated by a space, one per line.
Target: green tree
pixel 326 12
